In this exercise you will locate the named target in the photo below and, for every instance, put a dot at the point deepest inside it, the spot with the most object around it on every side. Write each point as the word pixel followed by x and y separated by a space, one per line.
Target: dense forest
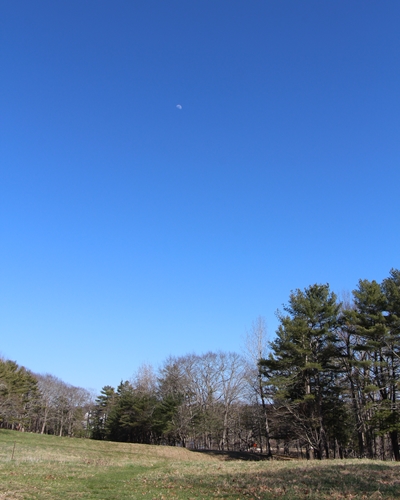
pixel 326 386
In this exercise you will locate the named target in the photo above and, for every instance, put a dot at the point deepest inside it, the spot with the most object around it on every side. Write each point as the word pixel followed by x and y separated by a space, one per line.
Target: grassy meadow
pixel 49 467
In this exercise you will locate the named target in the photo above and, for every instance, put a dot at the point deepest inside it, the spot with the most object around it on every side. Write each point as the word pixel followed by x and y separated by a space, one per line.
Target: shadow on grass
pixel 234 455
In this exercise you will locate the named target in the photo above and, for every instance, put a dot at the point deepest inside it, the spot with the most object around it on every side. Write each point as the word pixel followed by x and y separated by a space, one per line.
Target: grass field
pixel 49 467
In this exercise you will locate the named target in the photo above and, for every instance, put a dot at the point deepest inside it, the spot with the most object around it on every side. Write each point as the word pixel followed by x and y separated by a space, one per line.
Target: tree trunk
pixel 358 419
pixel 265 413
pixel 394 438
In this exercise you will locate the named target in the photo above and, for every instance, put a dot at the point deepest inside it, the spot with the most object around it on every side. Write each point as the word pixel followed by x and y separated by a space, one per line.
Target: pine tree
pixel 303 365
pixel 377 325
pixel 103 406
pixel 18 393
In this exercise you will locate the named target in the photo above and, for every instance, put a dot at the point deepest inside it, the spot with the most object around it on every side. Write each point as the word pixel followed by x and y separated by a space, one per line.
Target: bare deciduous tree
pixel 256 348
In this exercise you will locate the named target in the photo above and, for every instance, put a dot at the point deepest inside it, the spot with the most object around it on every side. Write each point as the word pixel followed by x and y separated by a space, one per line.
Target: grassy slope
pixel 48 467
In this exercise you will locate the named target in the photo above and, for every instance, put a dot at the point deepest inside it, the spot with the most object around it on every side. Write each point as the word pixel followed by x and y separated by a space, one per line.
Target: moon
pixel 179 106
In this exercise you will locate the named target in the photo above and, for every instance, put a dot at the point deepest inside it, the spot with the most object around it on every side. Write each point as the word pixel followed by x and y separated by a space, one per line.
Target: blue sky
pixel 132 229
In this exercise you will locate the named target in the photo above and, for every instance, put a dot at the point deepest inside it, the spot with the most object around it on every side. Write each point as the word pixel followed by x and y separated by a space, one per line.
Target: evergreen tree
pixel 18 395
pixel 133 416
pixel 103 406
pixel 377 325
pixel 303 365
pixel 122 415
pixel 354 361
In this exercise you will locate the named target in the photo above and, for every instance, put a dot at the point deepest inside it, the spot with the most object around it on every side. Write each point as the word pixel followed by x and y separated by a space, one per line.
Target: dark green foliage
pixel 103 405
pixel 164 416
pixel 130 415
pixel 376 319
pixel 122 417
pixel 18 395
pixel 336 370
pixel 304 363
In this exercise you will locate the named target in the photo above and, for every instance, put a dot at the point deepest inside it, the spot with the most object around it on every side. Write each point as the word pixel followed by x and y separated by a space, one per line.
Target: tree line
pixel 326 386
pixel 41 403
pixel 333 369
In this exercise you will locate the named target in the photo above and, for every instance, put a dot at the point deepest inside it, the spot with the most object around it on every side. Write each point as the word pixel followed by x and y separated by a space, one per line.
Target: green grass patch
pixel 49 467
